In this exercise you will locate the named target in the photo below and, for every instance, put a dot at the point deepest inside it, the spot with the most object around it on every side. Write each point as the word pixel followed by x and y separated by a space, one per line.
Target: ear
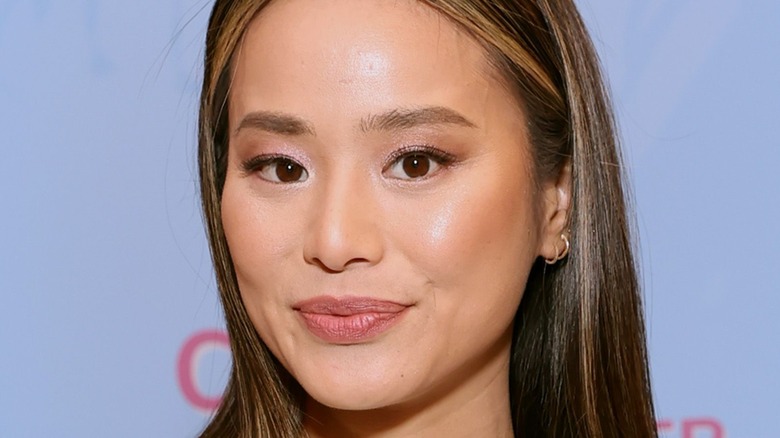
pixel 556 209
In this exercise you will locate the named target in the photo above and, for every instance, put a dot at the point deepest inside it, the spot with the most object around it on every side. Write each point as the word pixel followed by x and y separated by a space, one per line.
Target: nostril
pixel 337 267
pixel 322 265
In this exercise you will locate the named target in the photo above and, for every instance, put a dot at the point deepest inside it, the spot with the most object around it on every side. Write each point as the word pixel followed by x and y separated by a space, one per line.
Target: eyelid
pixel 440 156
pixel 258 162
pixel 443 158
pixel 441 161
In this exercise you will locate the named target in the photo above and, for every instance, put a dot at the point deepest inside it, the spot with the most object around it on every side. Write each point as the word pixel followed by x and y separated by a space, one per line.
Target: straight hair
pixel 578 365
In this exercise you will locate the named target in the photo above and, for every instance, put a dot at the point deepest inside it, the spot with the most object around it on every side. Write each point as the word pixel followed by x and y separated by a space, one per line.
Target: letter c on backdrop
pixel 187 366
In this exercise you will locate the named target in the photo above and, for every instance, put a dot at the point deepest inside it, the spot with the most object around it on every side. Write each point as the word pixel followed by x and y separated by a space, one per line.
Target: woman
pixel 417 222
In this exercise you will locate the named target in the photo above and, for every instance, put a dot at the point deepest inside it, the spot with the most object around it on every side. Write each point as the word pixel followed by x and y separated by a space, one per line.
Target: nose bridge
pixel 344 230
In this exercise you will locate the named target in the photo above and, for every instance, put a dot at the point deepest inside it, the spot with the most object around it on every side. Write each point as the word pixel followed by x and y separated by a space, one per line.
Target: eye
pixel 418 163
pixel 281 170
pixel 413 166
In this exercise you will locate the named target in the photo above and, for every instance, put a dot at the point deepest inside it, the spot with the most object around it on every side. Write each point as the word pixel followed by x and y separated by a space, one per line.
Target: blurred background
pixel 109 320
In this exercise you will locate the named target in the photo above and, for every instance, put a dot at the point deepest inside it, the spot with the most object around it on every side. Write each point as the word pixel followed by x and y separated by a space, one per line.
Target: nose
pixel 345 230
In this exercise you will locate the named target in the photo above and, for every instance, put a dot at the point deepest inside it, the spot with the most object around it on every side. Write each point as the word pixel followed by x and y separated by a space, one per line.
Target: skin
pixel 455 245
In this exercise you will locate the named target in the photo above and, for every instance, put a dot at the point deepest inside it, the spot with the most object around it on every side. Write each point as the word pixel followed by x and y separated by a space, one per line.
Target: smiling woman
pixel 417 222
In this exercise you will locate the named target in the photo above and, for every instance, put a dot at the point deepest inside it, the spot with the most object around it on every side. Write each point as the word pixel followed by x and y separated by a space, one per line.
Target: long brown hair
pixel 579 363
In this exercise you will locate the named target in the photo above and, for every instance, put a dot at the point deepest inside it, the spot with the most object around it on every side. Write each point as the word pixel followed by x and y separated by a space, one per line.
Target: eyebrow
pixel 395 119
pixel 409 118
pixel 276 123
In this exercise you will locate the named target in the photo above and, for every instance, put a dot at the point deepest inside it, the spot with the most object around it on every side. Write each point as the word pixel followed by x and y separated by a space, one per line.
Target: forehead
pixel 366 54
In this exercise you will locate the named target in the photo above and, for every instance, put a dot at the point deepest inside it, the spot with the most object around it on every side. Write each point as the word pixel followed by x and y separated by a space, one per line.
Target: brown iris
pixel 416 166
pixel 288 171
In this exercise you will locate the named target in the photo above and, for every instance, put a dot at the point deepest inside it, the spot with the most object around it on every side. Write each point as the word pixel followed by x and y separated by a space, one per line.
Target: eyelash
pixel 254 164
pixel 441 158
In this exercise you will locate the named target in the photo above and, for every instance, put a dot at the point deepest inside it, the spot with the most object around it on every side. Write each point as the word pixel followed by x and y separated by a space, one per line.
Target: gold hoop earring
pixel 559 256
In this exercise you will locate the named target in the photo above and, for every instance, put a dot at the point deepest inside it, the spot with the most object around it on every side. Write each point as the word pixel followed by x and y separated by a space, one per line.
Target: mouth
pixel 349 320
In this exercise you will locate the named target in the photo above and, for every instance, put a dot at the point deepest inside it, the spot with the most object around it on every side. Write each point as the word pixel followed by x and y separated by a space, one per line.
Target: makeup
pixel 381 216
pixel 349 320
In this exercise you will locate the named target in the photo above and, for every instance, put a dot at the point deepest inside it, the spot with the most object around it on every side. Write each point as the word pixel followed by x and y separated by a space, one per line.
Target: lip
pixel 349 320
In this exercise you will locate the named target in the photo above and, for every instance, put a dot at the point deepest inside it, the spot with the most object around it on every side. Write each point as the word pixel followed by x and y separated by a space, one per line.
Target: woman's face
pixel 379 203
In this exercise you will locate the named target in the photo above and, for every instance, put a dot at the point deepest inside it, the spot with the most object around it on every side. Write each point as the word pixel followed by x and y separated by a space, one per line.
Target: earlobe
pixel 559 255
pixel 555 235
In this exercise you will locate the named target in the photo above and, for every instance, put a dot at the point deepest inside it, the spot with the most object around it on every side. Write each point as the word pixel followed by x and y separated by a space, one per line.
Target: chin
pixel 348 402
pixel 355 398
pixel 354 390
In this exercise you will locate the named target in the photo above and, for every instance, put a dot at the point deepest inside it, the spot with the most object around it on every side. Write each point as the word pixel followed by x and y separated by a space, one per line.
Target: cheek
pixel 261 235
pixel 478 229
pixel 474 245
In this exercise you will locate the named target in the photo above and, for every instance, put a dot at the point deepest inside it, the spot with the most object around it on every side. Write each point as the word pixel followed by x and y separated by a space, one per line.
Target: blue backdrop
pixel 109 322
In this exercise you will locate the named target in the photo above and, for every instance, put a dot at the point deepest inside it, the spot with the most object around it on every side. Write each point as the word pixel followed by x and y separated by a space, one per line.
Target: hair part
pixel 579 364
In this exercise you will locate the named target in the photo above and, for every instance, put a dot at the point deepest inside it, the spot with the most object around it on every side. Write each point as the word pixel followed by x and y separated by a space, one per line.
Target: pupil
pixel 416 166
pixel 288 171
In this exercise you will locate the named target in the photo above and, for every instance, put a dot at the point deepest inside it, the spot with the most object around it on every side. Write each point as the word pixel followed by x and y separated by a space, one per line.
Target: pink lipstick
pixel 348 320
